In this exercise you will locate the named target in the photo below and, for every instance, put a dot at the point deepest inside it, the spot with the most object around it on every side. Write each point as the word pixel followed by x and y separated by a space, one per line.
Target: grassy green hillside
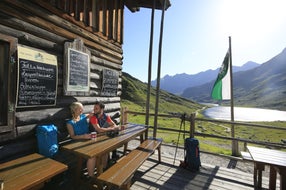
pixel 134 98
pixel 134 94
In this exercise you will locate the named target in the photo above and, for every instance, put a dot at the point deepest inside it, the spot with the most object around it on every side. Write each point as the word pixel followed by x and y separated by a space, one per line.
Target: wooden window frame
pixel 9 130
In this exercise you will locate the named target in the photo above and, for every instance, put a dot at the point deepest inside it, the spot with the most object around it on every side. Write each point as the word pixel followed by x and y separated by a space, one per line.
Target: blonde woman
pixel 78 128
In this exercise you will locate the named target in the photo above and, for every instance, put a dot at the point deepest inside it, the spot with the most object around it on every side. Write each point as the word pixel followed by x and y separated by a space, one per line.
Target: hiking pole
pixel 184 135
pixel 182 121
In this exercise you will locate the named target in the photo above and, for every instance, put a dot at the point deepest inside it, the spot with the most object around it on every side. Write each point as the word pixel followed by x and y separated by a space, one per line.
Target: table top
pixel 104 144
pixel 268 156
pixel 29 171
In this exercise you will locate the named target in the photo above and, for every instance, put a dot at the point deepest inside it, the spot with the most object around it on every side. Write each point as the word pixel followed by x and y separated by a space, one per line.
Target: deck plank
pixel 166 176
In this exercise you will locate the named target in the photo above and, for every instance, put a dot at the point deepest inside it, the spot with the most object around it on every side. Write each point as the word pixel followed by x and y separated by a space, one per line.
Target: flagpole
pixel 234 142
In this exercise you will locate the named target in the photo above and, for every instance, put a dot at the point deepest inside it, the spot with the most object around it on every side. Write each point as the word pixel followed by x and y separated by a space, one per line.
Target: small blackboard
pixel 37 79
pixel 109 82
pixel 78 71
pixel 37 84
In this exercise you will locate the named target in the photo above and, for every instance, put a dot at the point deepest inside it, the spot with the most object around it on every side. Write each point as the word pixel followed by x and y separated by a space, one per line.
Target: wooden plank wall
pixel 42 25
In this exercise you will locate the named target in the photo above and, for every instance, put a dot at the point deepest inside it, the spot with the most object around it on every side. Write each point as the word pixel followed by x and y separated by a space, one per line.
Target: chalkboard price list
pixel 78 71
pixel 109 82
pixel 37 83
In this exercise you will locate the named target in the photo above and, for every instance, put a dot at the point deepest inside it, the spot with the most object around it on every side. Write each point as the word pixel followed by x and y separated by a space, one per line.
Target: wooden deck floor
pixel 165 175
pixel 215 173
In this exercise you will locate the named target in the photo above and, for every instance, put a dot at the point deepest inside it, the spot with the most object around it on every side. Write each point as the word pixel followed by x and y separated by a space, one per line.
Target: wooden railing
pixel 194 121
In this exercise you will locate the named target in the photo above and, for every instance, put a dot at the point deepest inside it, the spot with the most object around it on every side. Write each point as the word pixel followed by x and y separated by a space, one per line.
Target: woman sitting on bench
pixel 78 128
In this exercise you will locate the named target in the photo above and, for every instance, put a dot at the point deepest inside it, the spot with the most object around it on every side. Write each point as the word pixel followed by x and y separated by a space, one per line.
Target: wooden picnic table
pixel 29 172
pixel 103 145
pixel 275 159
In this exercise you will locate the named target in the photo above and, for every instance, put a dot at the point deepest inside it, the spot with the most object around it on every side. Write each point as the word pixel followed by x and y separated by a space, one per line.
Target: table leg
pixel 99 166
pixel 282 172
pixel 1 184
pixel 146 134
pixel 272 178
pixel 257 176
pixel 78 170
pixel 125 148
pixel 99 169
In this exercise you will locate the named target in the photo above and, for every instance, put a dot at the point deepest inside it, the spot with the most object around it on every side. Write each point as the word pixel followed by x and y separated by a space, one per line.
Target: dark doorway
pixel 4 70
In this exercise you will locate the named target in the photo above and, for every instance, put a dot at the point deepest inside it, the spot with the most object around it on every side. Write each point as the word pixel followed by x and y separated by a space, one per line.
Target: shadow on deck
pixel 165 175
pixel 216 172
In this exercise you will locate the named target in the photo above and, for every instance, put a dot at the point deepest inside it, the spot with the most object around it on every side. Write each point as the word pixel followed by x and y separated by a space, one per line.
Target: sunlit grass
pixel 219 146
pixel 134 98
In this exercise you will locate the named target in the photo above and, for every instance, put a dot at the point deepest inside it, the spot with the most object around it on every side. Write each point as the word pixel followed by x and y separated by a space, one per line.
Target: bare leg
pixel 90 166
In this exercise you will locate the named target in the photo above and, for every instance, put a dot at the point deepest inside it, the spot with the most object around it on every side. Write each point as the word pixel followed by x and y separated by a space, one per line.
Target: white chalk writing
pixel 37 83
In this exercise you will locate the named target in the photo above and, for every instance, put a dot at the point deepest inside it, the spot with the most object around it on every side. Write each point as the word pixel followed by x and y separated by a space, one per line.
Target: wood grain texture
pixel 29 171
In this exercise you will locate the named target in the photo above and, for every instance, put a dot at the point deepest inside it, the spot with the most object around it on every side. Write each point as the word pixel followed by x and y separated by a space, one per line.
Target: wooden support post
pixel 121 116
pixel 124 116
pixel 245 145
pixel 192 125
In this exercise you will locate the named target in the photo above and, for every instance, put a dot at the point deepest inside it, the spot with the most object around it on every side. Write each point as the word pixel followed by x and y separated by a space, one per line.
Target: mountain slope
pixel 134 92
pixel 178 83
pixel 263 86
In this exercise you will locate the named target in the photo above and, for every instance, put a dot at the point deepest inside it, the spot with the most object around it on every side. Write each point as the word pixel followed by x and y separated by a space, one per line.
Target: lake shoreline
pixel 244 114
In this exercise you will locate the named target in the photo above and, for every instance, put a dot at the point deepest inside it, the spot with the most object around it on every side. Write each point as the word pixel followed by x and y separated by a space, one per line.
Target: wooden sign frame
pixel 37 78
pixel 76 68
pixel 78 71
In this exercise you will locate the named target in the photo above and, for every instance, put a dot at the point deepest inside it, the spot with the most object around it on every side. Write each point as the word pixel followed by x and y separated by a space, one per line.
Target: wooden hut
pixel 55 52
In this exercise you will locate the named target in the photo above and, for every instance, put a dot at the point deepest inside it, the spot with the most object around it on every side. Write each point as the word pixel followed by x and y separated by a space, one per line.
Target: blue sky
pixel 196 35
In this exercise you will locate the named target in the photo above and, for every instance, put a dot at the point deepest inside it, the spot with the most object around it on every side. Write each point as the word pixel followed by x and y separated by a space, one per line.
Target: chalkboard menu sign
pixel 78 71
pixel 37 78
pixel 109 82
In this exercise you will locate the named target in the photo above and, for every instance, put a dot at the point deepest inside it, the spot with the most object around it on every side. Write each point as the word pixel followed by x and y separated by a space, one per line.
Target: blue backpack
pixel 192 158
pixel 47 140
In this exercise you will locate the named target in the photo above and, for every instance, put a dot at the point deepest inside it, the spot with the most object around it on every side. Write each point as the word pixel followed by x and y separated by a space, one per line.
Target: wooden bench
pixel 121 173
pixel 29 172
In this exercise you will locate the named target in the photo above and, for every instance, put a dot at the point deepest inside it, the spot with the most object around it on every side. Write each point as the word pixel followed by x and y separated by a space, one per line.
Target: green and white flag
pixel 221 88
